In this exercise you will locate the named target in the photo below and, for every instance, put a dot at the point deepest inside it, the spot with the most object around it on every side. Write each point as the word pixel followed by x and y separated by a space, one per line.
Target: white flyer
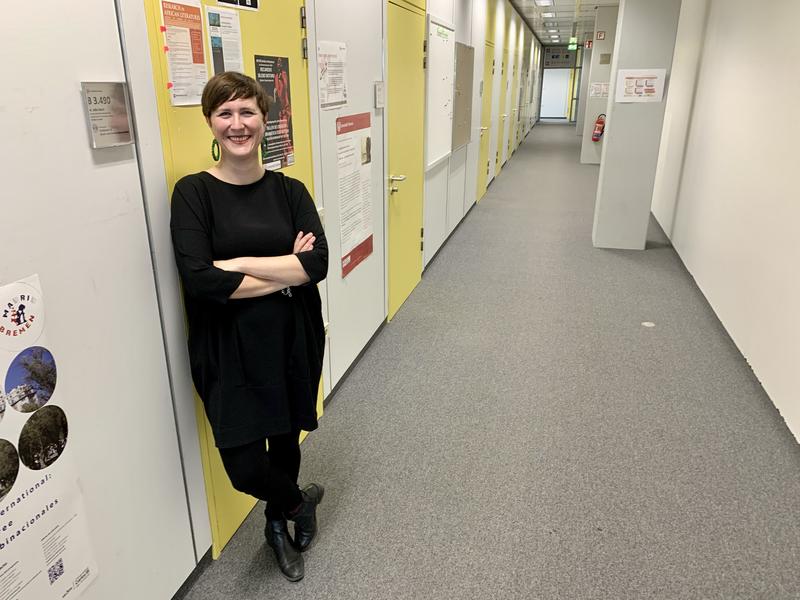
pixel 183 46
pixel 354 158
pixel 598 90
pixel 45 552
pixel 332 67
pixel 224 39
pixel 640 85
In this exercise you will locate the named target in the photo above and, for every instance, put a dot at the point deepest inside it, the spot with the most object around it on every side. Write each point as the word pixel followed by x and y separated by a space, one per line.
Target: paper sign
pixel 224 39
pixel 354 158
pixel 332 73
pixel 45 552
pixel 183 44
pixel 640 85
pixel 107 113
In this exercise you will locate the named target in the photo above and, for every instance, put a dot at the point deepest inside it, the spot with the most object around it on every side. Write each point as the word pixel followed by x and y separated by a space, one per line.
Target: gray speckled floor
pixel 515 432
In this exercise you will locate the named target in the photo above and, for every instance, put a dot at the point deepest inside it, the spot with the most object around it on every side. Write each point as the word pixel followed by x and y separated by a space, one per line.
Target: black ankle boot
pixel 305 517
pixel 289 559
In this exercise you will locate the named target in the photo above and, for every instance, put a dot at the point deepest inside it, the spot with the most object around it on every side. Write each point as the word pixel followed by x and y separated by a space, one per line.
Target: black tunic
pixel 256 363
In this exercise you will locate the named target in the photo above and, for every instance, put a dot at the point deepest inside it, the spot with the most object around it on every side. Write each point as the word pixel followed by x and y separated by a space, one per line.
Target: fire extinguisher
pixel 599 127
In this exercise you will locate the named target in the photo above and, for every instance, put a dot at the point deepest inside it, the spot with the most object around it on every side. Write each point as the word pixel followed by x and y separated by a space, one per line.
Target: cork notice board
pixel 462 102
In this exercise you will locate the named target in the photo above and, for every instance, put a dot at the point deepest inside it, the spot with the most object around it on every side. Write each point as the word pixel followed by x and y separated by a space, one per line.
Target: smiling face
pixel 238 125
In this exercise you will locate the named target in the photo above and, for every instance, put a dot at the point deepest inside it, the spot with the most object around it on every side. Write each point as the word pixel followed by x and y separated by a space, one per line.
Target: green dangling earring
pixel 264 148
pixel 215 149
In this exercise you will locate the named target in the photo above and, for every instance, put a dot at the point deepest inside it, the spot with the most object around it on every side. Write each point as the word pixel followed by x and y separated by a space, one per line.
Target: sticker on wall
pixel 45 551
pixel 272 72
pixel 21 316
pixel 9 467
pixel 30 380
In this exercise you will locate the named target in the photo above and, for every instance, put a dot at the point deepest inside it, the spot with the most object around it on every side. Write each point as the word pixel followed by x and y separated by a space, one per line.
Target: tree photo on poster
pixel 272 72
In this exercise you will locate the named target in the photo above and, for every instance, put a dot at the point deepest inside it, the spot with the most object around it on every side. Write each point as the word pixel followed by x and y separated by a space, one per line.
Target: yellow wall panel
pixel 273 30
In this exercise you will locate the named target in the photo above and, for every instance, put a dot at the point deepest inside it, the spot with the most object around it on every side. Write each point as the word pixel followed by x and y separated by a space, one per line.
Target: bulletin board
pixel 441 67
pixel 462 101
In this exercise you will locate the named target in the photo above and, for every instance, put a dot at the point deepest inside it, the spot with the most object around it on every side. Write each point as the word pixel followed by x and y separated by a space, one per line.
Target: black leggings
pixel 267 475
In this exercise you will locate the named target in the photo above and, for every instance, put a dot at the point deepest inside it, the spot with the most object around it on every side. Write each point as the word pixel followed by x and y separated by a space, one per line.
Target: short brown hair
pixel 231 85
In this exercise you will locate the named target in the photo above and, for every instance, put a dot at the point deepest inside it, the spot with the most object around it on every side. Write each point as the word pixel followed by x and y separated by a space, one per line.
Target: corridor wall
pixel 451 186
pixel 75 215
pixel 733 217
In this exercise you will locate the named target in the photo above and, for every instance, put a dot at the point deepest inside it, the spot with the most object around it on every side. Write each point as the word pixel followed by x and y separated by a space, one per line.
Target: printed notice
pixel 598 90
pixel 45 552
pixel 640 85
pixel 183 45
pixel 354 157
pixel 224 39
pixel 107 111
pixel 272 72
pixel 332 62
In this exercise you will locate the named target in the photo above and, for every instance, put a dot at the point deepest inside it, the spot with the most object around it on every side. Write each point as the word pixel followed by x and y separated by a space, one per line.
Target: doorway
pixel 555 94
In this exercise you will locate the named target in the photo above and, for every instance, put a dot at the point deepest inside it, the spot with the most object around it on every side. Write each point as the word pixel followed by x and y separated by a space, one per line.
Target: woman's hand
pixel 303 243
pixel 232 265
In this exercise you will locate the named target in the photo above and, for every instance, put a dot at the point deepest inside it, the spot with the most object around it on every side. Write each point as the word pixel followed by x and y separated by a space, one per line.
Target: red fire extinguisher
pixel 599 127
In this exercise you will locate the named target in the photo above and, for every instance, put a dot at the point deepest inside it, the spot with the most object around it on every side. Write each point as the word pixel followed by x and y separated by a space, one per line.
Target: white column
pixel 645 39
pixel 605 27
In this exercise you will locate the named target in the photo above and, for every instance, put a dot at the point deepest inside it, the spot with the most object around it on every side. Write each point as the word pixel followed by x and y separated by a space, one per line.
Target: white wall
pixel 606 21
pixel 79 222
pixel 583 91
pixel 477 41
pixel 734 221
pixel 680 102
pixel 173 317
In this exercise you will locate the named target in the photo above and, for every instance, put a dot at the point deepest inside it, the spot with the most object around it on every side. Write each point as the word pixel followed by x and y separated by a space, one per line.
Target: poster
pixel 354 167
pixel 272 72
pixel 248 4
pixel 224 39
pixel 640 85
pixel 45 551
pixel 332 62
pixel 598 90
pixel 183 45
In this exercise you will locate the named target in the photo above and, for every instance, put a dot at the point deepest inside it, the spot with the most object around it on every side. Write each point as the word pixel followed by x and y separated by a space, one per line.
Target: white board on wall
pixel 440 67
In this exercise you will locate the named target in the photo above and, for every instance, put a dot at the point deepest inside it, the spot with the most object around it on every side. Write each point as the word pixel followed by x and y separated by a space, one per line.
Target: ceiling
pixel 563 18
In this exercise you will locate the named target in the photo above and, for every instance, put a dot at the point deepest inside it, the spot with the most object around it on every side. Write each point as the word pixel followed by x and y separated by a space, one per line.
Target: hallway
pixel 517 432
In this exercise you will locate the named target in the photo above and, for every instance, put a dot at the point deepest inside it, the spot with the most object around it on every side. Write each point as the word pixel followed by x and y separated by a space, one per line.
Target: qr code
pixel 56 571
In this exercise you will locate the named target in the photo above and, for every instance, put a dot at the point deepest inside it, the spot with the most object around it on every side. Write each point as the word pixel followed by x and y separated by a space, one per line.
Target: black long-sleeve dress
pixel 256 363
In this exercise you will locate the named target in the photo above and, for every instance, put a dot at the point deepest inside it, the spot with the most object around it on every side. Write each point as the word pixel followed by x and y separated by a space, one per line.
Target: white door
pixel 75 216
pixel 356 301
pixel 555 93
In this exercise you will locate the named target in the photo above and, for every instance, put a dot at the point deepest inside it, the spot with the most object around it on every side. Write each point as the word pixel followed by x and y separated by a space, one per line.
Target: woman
pixel 250 249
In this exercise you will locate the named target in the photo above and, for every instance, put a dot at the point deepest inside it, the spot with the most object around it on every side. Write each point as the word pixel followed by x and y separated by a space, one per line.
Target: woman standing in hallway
pixel 250 249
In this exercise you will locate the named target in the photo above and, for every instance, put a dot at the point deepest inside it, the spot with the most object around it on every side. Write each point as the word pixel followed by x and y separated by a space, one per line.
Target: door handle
pixel 397 177
pixel 484 129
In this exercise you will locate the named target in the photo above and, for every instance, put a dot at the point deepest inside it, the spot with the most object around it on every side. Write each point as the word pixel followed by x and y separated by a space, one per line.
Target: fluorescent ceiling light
pixel 549 15
pixel 543 2
pixel 552 31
